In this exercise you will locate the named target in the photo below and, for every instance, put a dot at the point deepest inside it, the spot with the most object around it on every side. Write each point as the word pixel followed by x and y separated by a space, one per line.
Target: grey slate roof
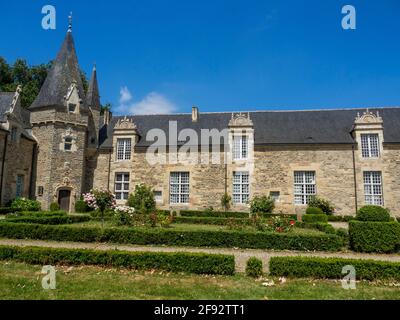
pixel 5 102
pixel 64 71
pixel 271 127
pixel 93 96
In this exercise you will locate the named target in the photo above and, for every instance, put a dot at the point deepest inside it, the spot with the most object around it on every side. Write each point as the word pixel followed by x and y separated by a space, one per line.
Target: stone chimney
pixel 107 117
pixel 195 114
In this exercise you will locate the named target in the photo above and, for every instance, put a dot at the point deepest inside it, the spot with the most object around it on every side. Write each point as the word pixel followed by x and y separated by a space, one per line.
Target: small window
pixel 14 134
pixel 240 147
pixel 275 195
pixel 304 187
pixel 68 144
pixel 370 145
pixel 179 188
pixel 122 186
pixel 241 187
pixel 40 191
pixel 373 188
pixel 71 108
pixel 124 148
pixel 20 186
pixel 158 196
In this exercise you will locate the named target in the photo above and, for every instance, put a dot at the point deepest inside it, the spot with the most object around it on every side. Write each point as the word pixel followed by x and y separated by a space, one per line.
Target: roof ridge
pixel 259 111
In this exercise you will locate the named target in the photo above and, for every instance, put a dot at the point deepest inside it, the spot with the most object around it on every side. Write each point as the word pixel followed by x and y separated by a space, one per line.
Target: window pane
pixel 179 187
pixel 241 187
pixel 304 187
pixel 370 145
pixel 373 190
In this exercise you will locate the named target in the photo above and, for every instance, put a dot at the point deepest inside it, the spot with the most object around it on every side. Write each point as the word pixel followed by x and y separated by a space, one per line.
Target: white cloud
pixel 124 95
pixel 153 103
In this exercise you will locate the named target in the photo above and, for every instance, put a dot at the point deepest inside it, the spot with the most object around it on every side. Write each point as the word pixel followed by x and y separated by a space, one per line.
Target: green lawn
pixel 21 281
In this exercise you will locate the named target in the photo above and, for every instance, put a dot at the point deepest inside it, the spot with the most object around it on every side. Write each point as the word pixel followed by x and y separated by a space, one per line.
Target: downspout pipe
pixel 2 168
pixel 355 178
pixel 33 164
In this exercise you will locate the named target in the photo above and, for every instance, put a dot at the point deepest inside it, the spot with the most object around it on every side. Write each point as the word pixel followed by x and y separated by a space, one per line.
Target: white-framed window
pixel 158 196
pixel 373 189
pixel 240 147
pixel 67 144
pixel 370 145
pixel 241 187
pixel 179 187
pixel 122 186
pixel 20 186
pixel 14 134
pixel 124 148
pixel 304 187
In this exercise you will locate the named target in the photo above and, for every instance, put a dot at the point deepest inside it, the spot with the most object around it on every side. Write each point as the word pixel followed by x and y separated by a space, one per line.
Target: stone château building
pixel 62 146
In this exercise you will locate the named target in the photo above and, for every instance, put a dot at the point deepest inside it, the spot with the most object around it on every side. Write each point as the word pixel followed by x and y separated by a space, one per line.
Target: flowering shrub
pixel 100 200
pixel 124 215
pixel 280 225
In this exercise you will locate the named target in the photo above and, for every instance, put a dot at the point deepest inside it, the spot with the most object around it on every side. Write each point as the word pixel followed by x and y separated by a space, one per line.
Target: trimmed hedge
pixel 382 237
pixel 8 210
pixel 238 215
pixel 314 210
pixel 320 226
pixel 373 213
pixel 341 218
pixel 212 220
pixel 331 268
pixel 198 263
pixel 254 268
pixel 312 218
pixel 201 238
pixel 214 214
pixel 37 214
pixel 51 220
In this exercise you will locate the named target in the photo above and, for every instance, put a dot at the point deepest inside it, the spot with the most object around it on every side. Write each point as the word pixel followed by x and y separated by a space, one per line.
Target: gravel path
pixel 241 255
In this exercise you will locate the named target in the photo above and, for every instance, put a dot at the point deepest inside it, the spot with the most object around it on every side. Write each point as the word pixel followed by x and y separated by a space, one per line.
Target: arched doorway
pixel 64 199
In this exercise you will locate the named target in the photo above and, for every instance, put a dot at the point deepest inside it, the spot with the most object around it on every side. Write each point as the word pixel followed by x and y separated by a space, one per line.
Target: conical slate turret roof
pixel 64 72
pixel 92 96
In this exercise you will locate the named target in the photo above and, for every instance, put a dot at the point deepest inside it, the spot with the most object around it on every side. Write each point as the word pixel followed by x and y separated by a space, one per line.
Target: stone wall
pixel 333 166
pixel 18 162
pixel 273 170
pixel 58 169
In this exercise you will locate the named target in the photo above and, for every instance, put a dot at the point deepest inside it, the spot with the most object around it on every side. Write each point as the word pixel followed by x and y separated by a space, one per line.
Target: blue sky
pixel 220 55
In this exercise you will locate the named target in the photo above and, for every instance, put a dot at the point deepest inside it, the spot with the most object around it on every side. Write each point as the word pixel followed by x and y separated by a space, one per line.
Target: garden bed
pixel 303 241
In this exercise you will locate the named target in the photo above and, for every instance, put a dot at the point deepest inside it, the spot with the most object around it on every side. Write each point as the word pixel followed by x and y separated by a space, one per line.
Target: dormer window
pixel 68 144
pixel 124 148
pixel 71 107
pixel 240 147
pixel 370 145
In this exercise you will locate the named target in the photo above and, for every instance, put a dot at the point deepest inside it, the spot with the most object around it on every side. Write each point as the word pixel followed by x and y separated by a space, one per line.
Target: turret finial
pixel 70 22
